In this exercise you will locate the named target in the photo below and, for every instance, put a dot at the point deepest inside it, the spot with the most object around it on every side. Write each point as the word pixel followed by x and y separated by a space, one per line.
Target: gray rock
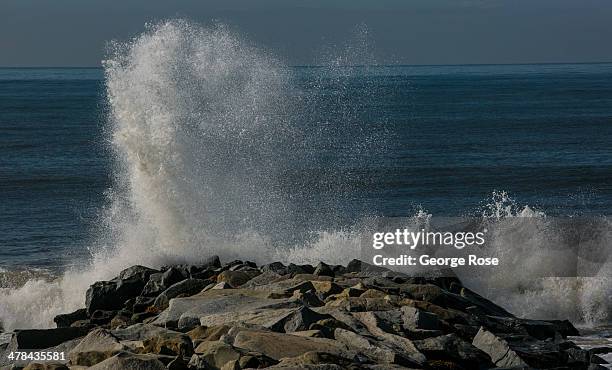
pixel 374 350
pixel 279 345
pixel 413 318
pixel 96 347
pixel 519 350
pixel 216 301
pixel 125 360
pixel 137 271
pixel 454 349
pixel 112 295
pixel 43 338
pixel 275 267
pixel 379 325
pixel 140 332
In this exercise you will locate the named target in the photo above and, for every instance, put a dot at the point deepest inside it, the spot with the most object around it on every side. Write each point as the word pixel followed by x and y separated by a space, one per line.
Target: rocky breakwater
pixel 241 316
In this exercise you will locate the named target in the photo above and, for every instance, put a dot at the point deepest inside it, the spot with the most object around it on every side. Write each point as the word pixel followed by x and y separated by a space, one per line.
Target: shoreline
pixel 233 315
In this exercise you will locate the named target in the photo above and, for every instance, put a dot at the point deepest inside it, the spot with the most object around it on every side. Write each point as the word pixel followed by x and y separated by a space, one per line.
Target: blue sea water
pixel 439 138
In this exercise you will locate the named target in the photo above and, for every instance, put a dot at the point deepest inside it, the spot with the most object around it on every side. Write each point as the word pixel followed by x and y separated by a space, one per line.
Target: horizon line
pixel 353 65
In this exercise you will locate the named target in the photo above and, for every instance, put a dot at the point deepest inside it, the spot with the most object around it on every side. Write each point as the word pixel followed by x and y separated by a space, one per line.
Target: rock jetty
pixel 242 316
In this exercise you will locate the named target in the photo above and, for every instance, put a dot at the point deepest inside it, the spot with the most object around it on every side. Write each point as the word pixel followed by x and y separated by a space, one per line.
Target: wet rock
pixel 300 269
pixel 323 269
pixel 65 320
pixel 159 282
pixel 136 272
pixel 112 295
pixel 43 338
pixel 275 267
pixel 141 303
pixel 101 317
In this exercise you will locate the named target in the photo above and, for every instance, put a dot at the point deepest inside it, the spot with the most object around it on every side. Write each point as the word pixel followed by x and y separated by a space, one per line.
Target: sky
pixel 75 32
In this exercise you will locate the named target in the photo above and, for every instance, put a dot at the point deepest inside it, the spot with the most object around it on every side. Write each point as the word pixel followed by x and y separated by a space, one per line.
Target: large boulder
pixel 237 278
pixel 519 350
pixel 383 326
pixel 125 360
pixel 377 351
pixel 279 345
pixel 43 338
pixel 65 320
pixel 183 312
pixel 452 349
pixel 97 346
pixel 111 295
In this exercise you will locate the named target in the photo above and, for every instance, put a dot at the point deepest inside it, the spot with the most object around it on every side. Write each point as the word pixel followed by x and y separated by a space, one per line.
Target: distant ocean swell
pixel 200 124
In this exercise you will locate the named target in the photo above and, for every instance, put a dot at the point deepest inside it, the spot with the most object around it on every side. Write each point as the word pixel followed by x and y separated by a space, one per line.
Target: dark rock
pixel 43 338
pixel 111 295
pixel 101 317
pixel 300 269
pixel 358 266
pixel 65 320
pixel 136 272
pixel 413 318
pixel 323 269
pixel 186 287
pixel 141 303
pixel 453 349
pixel 275 267
pixel 300 319
pixel 516 351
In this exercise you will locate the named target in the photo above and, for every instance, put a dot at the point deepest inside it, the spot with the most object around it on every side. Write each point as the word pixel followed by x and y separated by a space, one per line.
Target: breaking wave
pixel 207 132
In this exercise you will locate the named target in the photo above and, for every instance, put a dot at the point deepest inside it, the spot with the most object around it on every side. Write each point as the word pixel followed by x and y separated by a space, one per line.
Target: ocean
pixel 160 158
pixel 453 136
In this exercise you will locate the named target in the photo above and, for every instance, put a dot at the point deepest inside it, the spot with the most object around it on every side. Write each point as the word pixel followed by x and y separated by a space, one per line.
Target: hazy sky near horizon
pixel 75 32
